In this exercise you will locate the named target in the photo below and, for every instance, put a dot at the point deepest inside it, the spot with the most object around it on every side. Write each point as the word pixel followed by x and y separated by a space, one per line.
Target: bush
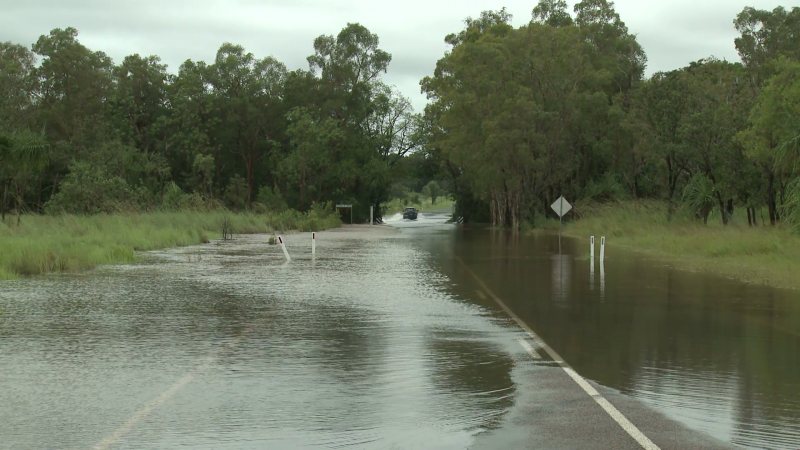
pixel 173 198
pixel 236 192
pixel 270 201
pixel 91 190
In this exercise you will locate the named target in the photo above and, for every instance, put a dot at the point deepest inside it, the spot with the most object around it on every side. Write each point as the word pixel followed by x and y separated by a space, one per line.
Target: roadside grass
pixel 397 205
pixel 760 254
pixel 46 244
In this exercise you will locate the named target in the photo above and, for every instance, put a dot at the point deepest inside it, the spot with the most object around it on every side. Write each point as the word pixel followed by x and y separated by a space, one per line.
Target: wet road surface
pixel 395 338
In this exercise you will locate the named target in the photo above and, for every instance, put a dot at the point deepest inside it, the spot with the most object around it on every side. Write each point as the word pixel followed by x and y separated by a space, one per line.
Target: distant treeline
pixel 81 134
pixel 561 105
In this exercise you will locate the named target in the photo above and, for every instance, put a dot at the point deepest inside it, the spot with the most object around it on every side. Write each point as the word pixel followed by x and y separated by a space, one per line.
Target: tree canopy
pixel 236 129
pixel 561 106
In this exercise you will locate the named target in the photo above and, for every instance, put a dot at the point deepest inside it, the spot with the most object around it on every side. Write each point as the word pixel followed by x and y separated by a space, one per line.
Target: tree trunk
pixel 673 178
pixel 749 219
pixel 704 213
pixel 493 208
pixel 3 206
pixel 302 188
pixel 723 212
pixel 771 197
pixel 55 186
pixel 249 163
pixel 39 198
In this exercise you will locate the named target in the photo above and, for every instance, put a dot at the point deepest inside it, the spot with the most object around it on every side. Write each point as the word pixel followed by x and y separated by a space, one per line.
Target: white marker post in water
pixel 313 243
pixel 591 241
pixel 283 247
pixel 602 249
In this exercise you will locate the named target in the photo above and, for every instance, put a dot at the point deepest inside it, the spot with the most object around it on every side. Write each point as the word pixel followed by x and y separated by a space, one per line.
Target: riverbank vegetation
pixel 82 134
pixel 562 106
pixel 760 254
pixel 40 244
pixel 517 117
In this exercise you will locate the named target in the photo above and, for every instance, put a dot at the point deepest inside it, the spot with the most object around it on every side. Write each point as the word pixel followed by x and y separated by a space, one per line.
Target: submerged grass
pixel 45 244
pixel 766 255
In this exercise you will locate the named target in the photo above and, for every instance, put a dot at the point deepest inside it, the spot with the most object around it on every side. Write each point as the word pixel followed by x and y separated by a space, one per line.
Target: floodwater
pixel 381 341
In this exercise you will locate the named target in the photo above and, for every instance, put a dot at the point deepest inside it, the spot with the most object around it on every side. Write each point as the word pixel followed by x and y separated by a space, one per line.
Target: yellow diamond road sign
pixel 561 206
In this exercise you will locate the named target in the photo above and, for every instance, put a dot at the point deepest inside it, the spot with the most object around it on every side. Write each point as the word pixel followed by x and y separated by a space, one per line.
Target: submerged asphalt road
pixel 384 340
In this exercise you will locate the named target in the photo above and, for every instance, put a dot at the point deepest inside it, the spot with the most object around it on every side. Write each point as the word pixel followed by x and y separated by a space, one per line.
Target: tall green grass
pixel 768 255
pixel 45 244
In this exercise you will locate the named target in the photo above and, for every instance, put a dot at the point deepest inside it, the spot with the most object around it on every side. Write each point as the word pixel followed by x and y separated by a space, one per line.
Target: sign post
pixel 283 247
pixel 347 206
pixel 561 207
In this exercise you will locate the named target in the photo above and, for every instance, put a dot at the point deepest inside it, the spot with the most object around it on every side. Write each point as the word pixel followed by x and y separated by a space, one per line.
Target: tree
pixel 552 12
pixel 247 93
pixel 315 144
pixel 773 134
pixel 432 190
pixel 22 153
pixel 18 85
pixel 139 100
pixel 348 65
pixel 764 37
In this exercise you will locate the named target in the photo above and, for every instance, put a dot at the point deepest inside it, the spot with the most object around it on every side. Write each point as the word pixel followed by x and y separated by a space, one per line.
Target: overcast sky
pixel 672 32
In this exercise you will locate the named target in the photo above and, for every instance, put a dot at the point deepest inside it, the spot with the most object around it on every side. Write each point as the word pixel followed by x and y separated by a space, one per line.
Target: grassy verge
pixel 397 205
pixel 45 244
pixel 766 255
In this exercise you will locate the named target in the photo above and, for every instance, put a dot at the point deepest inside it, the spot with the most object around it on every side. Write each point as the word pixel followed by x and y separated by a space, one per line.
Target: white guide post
pixel 283 247
pixel 602 249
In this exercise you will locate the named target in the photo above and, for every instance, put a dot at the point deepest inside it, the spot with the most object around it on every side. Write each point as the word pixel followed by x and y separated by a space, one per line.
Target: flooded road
pixel 391 338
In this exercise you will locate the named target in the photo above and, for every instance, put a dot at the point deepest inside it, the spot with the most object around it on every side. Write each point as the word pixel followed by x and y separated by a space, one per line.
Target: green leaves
pixel 21 152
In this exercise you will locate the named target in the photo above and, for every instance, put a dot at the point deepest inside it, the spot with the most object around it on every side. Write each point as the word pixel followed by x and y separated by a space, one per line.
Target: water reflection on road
pixel 716 354
pixel 380 341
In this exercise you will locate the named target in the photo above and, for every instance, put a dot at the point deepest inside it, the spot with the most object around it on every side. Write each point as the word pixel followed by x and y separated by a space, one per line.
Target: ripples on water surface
pixel 380 342
pixel 362 345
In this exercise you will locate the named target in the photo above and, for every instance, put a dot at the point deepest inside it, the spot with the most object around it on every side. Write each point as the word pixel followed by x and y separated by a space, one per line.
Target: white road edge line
pixel 612 411
pixel 529 349
pixel 145 411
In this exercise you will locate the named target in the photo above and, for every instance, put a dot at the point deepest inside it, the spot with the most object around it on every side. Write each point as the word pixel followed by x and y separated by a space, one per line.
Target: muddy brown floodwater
pixel 385 340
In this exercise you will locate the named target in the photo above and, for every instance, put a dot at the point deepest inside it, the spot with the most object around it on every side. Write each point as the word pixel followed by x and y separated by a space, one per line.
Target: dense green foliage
pixel 561 106
pixel 81 134
pixel 517 117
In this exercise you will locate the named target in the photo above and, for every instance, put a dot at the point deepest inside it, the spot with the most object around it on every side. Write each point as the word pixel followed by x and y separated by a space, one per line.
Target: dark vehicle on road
pixel 410 213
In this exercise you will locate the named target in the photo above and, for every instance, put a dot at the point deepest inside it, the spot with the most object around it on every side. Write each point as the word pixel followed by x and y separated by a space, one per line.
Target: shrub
pixel 236 192
pixel 271 201
pixel 91 190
